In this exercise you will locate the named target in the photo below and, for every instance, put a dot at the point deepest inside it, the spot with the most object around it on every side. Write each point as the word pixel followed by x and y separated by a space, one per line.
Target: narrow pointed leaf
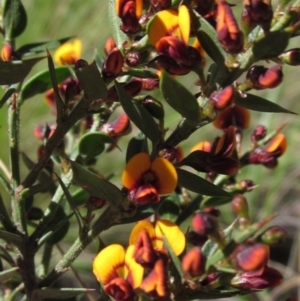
pixel 136 145
pixel 15 72
pixel 96 186
pixel 92 82
pixel 176 261
pixel 71 202
pixel 170 207
pixel 114 23
pixel 92 144
pixel 35 48
pixel 59 293
pixel 7 96
pixel 58 100
pixel 207 36
pixel 197 184
pixel 10 237
pixel 215 201
pixel 138 115
pixel 14 19
pixel 179 98
pixel 41 82
pixel 189 210
pixel 5 275
pixel 270 45
pixel 257 103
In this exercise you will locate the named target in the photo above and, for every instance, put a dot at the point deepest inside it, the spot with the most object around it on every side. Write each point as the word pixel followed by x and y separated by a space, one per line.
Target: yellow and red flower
pixel 118 272
pixel 143 265
pixel 169 33
pixel 68 53
pixel 146 179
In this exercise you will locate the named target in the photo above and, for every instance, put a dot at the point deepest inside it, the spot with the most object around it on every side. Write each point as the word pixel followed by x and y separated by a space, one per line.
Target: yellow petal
pixel 144 224
pixel 109 264
pixel 166 175
pixel 134 170
pixel 163 24
pixel 68 53
pixel 172 233
pixel 134 271
pixel 184 23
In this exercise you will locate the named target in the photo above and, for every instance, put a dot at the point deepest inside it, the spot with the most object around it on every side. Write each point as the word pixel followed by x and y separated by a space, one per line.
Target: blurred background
pixel 278 190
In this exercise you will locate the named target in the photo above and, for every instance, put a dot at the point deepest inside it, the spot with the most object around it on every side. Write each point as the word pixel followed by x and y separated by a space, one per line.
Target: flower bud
pixel 239 206
pixel 257 12
pixel 273 236
pixel 260 77
pixel 196 239
pixel 241 187
pixel 132 58
pixel 268 278
pixel 170 65
pixel 259 133
pixel 193 262
pixel 80 64
pixel 112 66
pixel 251 257
pixel 291 57
pixel 223 98
pixel 7 53
pixel 150 84
pixel 129 13
pixel 154 107
pixel 205 224
pixel 229 35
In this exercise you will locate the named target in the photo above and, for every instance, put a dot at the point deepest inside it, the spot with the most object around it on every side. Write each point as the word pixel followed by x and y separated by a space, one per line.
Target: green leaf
pixel 141 73
pixel 10 237
pixel 170 207
pixel 114 23
pixel 199 185
pixel 80 197
pixel 136 145
pixel 215 201
pixel 257 103
pixel 92 144
pixel 175 260
pixel 14 19
pixel 207 36
pixel 35 48
pixel 15 72
pixel 179 98
pixel 59 293
pixel 270 45
pixel 92 82
pixel 189 210
pixel 58 100
pixel 57 227
pixel 71 202
pixel 7 96
pixel 5 275
pixel 41 82
pixel 139 115
pixel 96 186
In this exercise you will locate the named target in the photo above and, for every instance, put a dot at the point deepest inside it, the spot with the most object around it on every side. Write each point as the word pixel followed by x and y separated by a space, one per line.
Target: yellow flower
pixel 147 179
pixel 68 53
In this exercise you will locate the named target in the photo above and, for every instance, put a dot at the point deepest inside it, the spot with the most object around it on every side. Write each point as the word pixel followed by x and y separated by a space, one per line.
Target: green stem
pixel 108 218
pixel 17 204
